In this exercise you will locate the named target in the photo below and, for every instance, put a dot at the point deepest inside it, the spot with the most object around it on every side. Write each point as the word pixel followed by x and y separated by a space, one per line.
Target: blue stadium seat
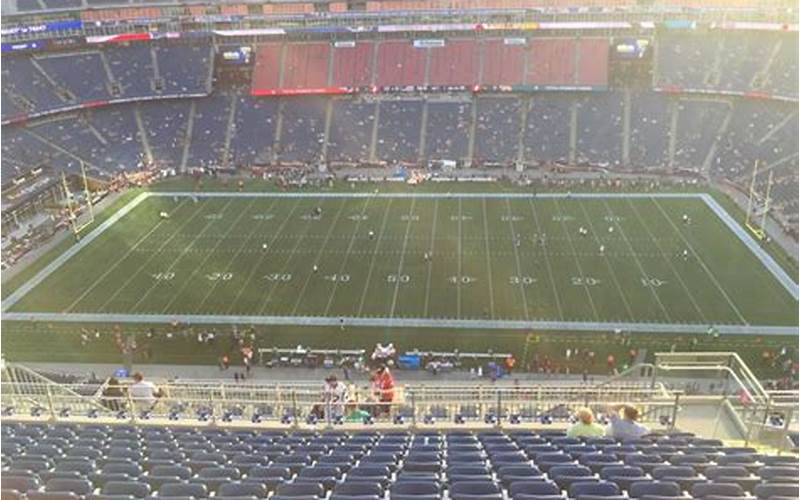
pixel 764 491
pixel 475 490
pixel 361 490
pixel 654 488
pixel 130 488
pixel 76 486
pixel 241 489
pixel 703 490
pixel 294 490
pixel 579 489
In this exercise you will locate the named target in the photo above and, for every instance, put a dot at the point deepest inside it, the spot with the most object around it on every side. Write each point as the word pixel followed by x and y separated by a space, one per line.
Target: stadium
pixel 399 249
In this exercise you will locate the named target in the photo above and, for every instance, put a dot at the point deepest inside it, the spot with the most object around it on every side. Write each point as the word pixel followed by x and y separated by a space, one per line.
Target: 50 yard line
pixel 402 258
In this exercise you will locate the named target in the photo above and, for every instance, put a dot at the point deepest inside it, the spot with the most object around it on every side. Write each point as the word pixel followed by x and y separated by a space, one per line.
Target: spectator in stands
pixel 384 382
pixel 626 426
pixel 334 397
pixel 144 393
pixel 585 426
pixel 113 395
pixel 383 354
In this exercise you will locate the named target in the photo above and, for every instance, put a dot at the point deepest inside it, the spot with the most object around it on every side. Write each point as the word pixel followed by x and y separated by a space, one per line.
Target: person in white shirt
pixel 334 396
pixel 144 394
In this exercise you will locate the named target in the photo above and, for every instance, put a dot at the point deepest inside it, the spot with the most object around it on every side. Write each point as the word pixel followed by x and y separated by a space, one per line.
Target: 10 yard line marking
pixel 516 257
pixel 236 255
pixel 702 264
pixel 430 261
pixel 263 255
pixel 669 262
pixel 118 262
pixel 546 254
pixel 346 256
pixel 178 258
pixel 201 267
pixel 134 275
pixel 319 255
pixel 372 259
pixel 488 259
pixel 402 258
pixel 596 238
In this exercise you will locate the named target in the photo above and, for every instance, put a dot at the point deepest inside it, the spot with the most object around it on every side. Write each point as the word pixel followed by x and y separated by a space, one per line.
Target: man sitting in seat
pixel 626 426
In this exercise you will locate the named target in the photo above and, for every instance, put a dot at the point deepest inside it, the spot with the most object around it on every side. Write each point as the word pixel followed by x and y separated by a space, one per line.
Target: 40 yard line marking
pixel 202 267
pixel 118 262
pixel 372 259
pixel 488 257
pixel 179 257
pixel 430 262
pixel 263 255
pixel 346 256
pixel 516 257
pixel 702 263
pixel 402 258
pixel 134 275
pixel 318 256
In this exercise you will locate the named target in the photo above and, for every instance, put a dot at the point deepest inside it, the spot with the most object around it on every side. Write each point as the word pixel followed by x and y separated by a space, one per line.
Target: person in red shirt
pixel 384 382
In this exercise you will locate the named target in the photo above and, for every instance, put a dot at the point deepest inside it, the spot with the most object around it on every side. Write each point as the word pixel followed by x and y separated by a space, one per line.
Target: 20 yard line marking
pixel 347 255
pixel 402 258
pixel 263 255
pixel 702 263
pixel 372 259
pixel 236 255
pixel 134 275
pixel 202 267
pixel 546 254
pixel 318 256
pixel 669 262
pixel 516 257
pixel 118 262
pixel 432 245
pixel 488 259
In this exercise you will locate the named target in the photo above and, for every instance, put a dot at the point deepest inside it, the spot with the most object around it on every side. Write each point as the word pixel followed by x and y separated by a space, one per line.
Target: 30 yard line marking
pixel 202 267
pixel 347 255
pixel 546 254
pixel 608 264
pixel 153 286
pixel 283 268
pixel 577 261
pixel 701 262
pixel 318 256
pixel 516 258
pixel 488 259
pixel 118 262
pixel 637 261
pixel 430 262
pixel 372 259
pixel 263 255
pixel 402 258
pixel 236 255
pixel 135 274
pixel 669 262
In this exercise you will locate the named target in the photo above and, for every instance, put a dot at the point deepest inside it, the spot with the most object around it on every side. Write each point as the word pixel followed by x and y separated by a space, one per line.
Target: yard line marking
pixel 702 263
pixel 516 257
pixel 179 257
pixel 546 254
pixel 347 255
pixel 263 255
pixel 608 264
pixel 430 261
pixel 318 256
pixel 577 261
pixel 372 259
pixel 236 255
pixel 488 259
pixel 284 267
pixel 458 284
pixel 202 267
pixel 135 274
pixel 669 262
pixel 118 262
pixel 402 258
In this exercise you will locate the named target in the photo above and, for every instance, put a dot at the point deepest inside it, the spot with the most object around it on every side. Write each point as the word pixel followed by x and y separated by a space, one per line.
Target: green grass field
pixel 492 259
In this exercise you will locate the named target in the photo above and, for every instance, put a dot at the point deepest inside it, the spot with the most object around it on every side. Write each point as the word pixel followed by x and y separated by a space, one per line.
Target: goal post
pixel 758 205
pixel 73 209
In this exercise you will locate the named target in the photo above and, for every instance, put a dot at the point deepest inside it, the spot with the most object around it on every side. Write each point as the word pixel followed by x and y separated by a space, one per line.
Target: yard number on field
pixel 338 278
pixel 278 277
pixel 219 276
pixel 652 282
pixel 584 281
pixel 398 278
pixel 163 276
pixel 521 280
pixel 461 280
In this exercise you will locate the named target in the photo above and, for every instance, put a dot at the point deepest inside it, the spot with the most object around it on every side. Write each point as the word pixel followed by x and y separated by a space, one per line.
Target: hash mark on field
pixel 372 260
pixel 263 255
pixel 320 252
pixel 118 262
pixel 700 260
pixel 402 258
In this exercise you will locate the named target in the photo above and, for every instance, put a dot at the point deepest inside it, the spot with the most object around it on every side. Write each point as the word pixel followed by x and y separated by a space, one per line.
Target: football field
pixel 660 262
